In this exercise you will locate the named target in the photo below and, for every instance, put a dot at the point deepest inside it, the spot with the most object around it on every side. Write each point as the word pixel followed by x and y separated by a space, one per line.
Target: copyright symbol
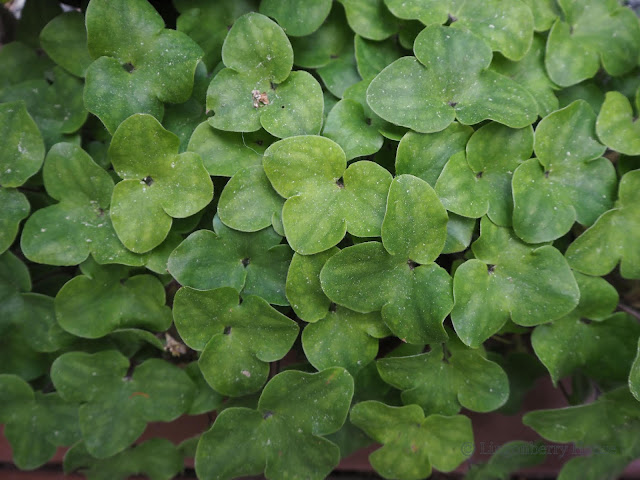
pixel 467 449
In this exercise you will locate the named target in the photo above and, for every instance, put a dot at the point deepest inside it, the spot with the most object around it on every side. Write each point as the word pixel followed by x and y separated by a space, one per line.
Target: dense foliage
pixel 326 223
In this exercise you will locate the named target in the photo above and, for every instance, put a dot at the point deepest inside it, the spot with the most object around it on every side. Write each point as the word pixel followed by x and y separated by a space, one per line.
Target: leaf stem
pixel 629 310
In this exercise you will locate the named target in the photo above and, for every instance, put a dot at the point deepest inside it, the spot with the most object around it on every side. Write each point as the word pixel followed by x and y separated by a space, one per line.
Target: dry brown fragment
pixel 259 98
pixel 173 346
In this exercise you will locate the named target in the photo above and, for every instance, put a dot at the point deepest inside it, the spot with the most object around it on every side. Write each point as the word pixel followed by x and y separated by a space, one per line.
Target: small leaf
pixel 372 57
pixel 618 229
pixel 65 40
pixel 406 433
pixel 251 263
pixel 283 437
pixel 370 18
pixel 237 337
pixel 205 399
pixel 544 12
pixel 297 18
pixel 616 125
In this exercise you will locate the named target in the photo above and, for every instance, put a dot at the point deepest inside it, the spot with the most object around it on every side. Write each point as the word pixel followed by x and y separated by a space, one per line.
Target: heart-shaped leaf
pixel 531 284
pixel 258 89
pixel 66 233
pixel 208 23
pixel 35 423
pixel 157 458
pixel 568 182
pixel 297 18
pixel 106 299
pixel 618 229
pixel 421 93
pixel 238 337
pixel 324 198
pixel 116 406
pixel 158 183
pixel 414 299
pixel 616 126
pixel 65 40
pixel 450 376
pixel 406 433
pixel 23 152
pixel 15 208
pixel 251 263
pixel 138 63
pixel 481 183
pixel 284 437
pixel 591 33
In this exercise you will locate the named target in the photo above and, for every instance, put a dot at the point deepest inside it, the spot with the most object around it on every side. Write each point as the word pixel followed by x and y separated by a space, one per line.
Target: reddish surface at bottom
pixel 491 430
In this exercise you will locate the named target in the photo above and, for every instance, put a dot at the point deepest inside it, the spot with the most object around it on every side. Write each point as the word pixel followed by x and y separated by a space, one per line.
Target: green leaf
pixel 67 232
pixel 19 63
pixel 406 433
pixel 509 458
pixel 158 183
pixel 481 183
pixel 94 305
pixel 616 125
pixel 618 229
pixel 341 72
pixel 544 12
pixel 65 40
pixel 35 423
pixel 283 437
pixel 205 399
pixel 23 151
pixel 251 263
pixel 450 376
pixel 370 18
pixel 343 338
pixel 508 279
pixel 208 23
pixel 413 300
pixel 15 208
pixel 116 407
pixel 18 357
pixel 459 233
pixel 420 93
pixel 33 17
pixel 139 64
pixel 237 337
pixel 607 427
pixel 530 72
pixel 593 32
pixel 37 324
pixel 297 18
pixel 324 198
pixel 372 57
pixel 568 182
pixel 157 458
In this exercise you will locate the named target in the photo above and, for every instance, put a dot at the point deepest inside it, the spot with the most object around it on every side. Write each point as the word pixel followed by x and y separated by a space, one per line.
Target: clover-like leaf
pixel 35 423
pixel 508 279
pixel 324 198
pixel 208 23
pixel 297 18
pixel 406 433
pixel 138 63
pixel 157 458
pixel 106 299
pixel 618 229
pixel 367 277
pixel 258 89
pixel 481 183
pixel 448 80
pixel 251 263
pixel 509 458
pixel 568 182
pixel 530 72
pixel 283 437
pixel 23 151
pixel 607 427
pixel 115 406
pixel 65 40
pixel 158 183
pixel 238 337
pixel 424 155
pixel 506 27
pixel 55 104
pixel 450 376
pixel 591 33
pixel 14 208
pixel 616 125
pixel 66 233
pixel 370 18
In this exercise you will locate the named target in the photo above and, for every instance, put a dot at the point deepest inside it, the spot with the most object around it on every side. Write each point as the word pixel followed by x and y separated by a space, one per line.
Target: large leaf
pixel 238 337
